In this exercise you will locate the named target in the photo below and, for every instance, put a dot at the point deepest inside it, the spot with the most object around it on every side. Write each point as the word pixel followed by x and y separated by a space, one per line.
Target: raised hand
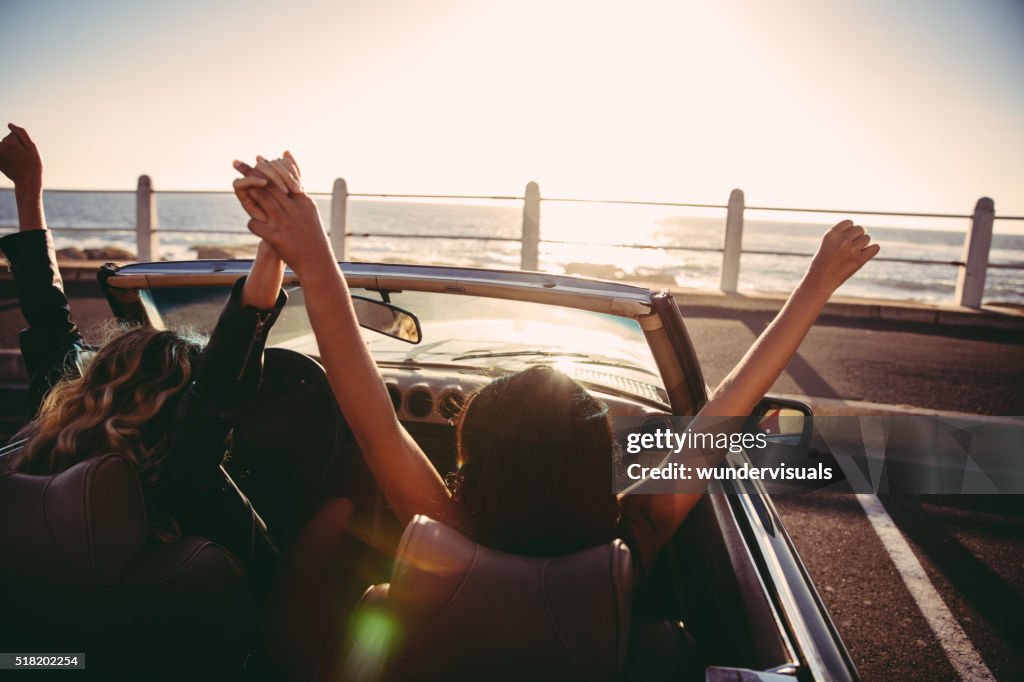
pixel 283 215
pixel 267 272
pixel 844 250
pixel 20 160
pixel 283 172
pixel 251 179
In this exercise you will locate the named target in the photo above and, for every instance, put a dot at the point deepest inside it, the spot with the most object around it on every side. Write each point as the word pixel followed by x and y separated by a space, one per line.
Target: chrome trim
pixel 621 300
pixel 771 541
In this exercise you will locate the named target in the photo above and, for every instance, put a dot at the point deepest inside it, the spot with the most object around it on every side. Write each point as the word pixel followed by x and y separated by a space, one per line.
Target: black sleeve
pixel 225 381
pixel 51 344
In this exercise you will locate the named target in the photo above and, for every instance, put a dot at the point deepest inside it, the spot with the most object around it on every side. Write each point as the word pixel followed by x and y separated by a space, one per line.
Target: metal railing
pixel 971 268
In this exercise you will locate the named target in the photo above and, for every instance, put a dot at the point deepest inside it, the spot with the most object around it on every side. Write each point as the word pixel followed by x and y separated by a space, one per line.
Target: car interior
pixel 79 573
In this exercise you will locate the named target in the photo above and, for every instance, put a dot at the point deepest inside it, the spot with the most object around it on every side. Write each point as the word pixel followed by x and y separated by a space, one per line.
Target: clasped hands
pixel 281 213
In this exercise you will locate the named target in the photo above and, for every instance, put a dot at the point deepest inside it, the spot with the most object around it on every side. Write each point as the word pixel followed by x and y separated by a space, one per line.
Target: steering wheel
pixel 292 449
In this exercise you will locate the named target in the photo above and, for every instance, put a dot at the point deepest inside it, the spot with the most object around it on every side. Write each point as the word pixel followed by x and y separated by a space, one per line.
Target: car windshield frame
pixel 593 303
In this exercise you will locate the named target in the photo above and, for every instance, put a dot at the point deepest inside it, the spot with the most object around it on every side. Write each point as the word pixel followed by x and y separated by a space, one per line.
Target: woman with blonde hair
pixel 155 397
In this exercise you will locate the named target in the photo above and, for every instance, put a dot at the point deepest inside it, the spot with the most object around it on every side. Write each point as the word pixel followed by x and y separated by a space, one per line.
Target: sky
pixel 912 105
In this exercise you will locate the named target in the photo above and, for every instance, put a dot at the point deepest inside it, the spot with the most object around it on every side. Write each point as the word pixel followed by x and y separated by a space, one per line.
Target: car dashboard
pixel 428 402
pixel 437 396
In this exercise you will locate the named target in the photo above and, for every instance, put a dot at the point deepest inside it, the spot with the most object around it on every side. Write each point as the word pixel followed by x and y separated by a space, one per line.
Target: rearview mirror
pixel 387 319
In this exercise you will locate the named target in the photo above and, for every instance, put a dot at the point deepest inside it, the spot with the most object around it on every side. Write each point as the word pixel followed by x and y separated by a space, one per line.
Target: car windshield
pixel 486 335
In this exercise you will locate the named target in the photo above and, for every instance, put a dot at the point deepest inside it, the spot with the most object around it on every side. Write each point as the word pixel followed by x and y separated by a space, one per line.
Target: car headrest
pixel 470 612
pixel 78 559
pixel 80 528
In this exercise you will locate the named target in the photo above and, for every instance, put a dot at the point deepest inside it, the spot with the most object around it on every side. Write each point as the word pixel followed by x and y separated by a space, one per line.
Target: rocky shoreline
pixel 119 254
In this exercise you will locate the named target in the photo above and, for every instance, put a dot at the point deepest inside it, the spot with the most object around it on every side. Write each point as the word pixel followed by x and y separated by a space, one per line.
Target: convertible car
pixel 738 601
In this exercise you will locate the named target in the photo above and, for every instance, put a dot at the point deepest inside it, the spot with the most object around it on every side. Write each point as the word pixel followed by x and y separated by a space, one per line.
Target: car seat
pixel 457 610
pixel 80 574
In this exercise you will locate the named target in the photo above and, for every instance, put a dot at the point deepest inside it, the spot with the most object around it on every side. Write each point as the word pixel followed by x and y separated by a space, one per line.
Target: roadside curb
pixel 76 270
pixel 835 407
pixel 696 302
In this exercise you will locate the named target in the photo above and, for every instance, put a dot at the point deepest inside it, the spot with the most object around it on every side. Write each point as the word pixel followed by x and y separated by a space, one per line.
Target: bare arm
pixel 293 228
pixel 844 250
pixel 263 284
pixel 653 518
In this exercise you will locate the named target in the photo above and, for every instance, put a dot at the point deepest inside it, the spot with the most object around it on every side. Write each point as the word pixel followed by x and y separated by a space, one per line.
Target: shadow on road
pixel 760 318
pixel 802 372
pixel 984 589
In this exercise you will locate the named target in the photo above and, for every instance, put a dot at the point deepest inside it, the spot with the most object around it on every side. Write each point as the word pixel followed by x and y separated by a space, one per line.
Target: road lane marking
pixel 962 655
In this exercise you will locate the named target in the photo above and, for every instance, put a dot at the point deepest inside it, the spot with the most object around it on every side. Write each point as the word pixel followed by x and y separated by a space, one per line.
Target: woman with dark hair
pixel 155 397
pixel 541 426
pixel 535 449
pixel 522 485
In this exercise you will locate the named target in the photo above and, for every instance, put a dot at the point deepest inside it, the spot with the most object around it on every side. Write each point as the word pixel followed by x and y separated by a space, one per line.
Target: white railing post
pixel 147 243
pixel 339 217
pixel 970 278
pixel 733 246
pixel 529 257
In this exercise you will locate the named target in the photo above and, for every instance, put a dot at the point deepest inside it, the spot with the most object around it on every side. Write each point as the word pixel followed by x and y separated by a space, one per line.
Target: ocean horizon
pixel 592 232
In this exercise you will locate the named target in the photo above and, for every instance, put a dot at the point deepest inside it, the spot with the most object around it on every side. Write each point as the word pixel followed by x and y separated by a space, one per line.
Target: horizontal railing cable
pixel 401 235
pixel 367 195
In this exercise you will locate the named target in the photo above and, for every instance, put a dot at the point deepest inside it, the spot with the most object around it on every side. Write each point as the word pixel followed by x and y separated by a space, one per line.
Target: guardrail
pixel 972 268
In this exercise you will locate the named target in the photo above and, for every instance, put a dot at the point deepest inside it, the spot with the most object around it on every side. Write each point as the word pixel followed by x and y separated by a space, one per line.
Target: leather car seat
pixel 79 573
pixel 458 610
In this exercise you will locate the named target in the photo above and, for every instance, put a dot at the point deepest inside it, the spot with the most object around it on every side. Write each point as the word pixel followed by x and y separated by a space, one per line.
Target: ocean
pixel 91 219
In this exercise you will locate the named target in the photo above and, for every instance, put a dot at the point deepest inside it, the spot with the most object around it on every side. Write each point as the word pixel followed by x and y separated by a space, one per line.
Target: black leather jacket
pixel 225 381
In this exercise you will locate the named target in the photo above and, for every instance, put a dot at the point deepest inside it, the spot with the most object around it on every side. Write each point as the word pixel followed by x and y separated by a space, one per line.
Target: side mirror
pixel 387 319
pixel 784 422
pixel 788 427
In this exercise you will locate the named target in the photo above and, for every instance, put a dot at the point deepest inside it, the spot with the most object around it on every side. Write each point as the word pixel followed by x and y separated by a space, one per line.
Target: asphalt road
pixel 970 547
pixel 943 368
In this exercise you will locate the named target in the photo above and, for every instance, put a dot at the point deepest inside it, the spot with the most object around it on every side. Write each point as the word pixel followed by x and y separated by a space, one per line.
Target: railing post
pixel 531 228
pixel 733 245
pixel 147 243
pixel 970 278
pixel 339 217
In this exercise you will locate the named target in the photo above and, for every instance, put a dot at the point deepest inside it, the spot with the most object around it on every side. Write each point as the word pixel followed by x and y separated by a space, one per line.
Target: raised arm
pixel 20 161
pixel 651 519
pixel 224 382
pixel 844 250
pixel 51 344
pixel 292 226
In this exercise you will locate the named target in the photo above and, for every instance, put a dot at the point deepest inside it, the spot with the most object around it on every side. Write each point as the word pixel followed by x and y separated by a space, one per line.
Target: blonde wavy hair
pixel 122 402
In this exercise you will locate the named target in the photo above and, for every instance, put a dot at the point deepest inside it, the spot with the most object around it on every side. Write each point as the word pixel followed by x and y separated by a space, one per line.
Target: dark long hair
pixel 536 461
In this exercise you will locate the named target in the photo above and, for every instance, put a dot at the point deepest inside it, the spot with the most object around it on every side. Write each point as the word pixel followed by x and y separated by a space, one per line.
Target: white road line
pixel 962 655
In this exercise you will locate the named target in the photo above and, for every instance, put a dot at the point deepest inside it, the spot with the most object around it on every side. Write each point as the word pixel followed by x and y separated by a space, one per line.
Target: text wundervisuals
pixel 682 472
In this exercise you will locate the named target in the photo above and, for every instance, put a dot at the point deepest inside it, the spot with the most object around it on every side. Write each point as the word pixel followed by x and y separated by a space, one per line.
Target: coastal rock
pixel 654 276
pixel 224 252
pixel 103 253
pixel 71 253
pixel 109 253
pixel 597 270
